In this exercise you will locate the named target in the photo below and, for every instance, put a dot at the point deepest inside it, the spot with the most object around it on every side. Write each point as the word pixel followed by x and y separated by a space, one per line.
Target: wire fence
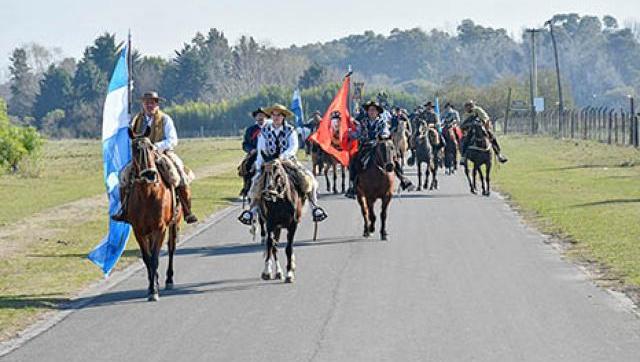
pixel 609 125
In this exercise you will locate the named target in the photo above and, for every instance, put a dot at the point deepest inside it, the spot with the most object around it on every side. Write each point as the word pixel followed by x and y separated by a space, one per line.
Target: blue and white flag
pixel 437 110
pixel 116 153
pixel 296 108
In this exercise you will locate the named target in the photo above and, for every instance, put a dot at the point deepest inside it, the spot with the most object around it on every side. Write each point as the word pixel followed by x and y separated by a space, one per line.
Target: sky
pixel 161 26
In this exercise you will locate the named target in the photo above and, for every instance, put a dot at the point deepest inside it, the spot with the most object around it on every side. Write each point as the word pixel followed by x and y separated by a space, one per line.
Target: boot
pixel 246 217
pixel 463 159
pixel 318 214
pixel 407 185
pixel 351 193
pixel 502 158
pixel 184 195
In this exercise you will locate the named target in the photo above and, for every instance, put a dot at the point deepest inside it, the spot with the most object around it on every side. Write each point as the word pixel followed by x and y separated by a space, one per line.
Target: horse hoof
pixel 289 279
pixel 383 237
pixel 365 234
pixel 419 188
pixel 278 276
pixel 474 192
pixel 154 297
pixel 168 285
pixel 265 276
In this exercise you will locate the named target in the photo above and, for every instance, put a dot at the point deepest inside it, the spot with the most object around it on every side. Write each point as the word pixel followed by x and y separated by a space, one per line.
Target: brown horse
pixel 152 211
pixel 281 207
pixel 322 162
pixel 401 139
pixel 375 182
pixel 450 150
pixel 480 153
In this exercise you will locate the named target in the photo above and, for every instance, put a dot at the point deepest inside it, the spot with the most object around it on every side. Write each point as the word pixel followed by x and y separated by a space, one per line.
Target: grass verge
pixel 585 193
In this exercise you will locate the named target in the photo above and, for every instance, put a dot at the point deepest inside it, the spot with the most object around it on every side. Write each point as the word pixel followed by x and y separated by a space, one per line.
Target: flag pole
pixel 129 75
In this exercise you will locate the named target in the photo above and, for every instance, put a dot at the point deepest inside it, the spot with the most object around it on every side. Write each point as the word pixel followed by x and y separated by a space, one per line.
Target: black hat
pixel 429 104
pixel 258 111
pixel 373 103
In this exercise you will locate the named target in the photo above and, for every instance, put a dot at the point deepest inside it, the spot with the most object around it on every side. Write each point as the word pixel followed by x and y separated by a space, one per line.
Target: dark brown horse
pixel 152 211
pixel 480 153
pixel 375 182
pixel 424 154
pixel 281 208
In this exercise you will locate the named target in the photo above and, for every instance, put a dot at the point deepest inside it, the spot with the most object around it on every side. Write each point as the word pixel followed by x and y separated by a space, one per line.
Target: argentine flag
pixel 116 153
pixel 296 108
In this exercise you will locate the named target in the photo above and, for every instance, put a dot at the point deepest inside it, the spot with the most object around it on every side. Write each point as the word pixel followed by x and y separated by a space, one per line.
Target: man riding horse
pixel 249 146
pixel 473 113
pixel 371 129
pixel 280 140
pixel 164 137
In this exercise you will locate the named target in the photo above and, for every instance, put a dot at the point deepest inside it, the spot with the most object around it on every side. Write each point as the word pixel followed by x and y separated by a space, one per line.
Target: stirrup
pixel 319 214
pixel 246 217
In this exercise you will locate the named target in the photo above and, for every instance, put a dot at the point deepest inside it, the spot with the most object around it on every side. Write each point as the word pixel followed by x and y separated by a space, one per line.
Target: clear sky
pixel 160 26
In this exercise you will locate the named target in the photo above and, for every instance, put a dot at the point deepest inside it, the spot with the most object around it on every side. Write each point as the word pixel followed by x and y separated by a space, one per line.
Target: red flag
pixel 323 135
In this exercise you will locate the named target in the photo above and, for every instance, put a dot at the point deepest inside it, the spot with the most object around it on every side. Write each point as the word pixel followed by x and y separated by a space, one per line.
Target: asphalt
pixel 461 278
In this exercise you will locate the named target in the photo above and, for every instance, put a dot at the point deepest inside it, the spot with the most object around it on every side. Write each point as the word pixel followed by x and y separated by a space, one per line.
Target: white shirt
pixel 170 135
pixel 290 152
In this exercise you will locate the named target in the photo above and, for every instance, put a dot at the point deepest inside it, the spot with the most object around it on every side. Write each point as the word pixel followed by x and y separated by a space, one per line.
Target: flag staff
pixel 129 75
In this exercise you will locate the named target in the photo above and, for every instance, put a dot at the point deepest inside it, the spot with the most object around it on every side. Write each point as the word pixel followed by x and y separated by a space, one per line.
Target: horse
pixel 281 207
pixel 450 150
pixel 424 153
pixel 401 140
pixel 480 152
pixel 152 210
pixel 375 181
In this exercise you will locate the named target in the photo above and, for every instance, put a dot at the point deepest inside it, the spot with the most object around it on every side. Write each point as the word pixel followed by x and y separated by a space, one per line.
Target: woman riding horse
pixel 280 140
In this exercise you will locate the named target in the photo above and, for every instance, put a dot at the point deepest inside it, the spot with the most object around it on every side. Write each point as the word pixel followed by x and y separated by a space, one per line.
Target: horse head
pixel 478 134
pixel 384 155
pixel 143 153
pixel 275 180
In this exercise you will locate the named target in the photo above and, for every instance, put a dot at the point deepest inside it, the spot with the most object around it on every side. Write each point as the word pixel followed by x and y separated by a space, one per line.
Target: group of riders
pixel 272 137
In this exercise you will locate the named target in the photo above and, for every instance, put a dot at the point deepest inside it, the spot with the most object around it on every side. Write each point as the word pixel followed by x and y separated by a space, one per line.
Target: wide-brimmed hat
pixel 280 108
pixel 152 95
pixel 258 111
pixel 373 103
pixel 335 114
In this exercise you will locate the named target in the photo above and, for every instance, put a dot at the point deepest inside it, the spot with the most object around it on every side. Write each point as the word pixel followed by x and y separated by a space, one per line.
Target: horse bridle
pixel 144 146
pixel 269 194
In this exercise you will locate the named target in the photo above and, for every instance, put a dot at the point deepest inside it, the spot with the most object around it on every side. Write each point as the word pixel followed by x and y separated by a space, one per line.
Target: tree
pixel 23 84
pixel 55 92
pixel 312 76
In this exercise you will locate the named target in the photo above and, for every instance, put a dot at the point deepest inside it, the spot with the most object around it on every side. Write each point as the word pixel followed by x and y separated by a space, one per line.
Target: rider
pixel 371 129
pixel 472 112
pixel 165 138
pixel 451 116
pixel 279 139
pixel 250 144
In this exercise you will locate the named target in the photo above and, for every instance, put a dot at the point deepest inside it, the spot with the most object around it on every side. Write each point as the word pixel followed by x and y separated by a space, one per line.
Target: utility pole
pixel 560 98
pixel 533 83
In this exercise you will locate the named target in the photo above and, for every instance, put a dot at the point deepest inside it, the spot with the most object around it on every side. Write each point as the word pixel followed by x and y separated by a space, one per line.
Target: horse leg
pixel 475 176
pixel 274 252
pixel 426 175
pixel 335 178
pixel 419 175
pixel 154 286
pixel 291 259
pixel 372 215
pixel 263 231
pixel 266 273
pixel 466 172
pixel 434 179
pixel 342 172
pixel 171 245
pixel 488 178
pixel 383 217
pixel 365 214
pixel 481 174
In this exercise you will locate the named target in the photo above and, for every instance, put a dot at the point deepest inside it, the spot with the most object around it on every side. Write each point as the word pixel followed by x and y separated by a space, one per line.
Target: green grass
pixel 72 170
pixel 585 192
pixel 51 271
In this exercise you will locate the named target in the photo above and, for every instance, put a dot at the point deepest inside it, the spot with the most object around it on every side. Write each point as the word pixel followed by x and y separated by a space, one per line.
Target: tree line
pixel 213 84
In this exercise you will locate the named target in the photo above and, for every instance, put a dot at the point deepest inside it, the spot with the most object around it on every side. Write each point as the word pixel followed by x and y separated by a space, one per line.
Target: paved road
pixel 438 290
